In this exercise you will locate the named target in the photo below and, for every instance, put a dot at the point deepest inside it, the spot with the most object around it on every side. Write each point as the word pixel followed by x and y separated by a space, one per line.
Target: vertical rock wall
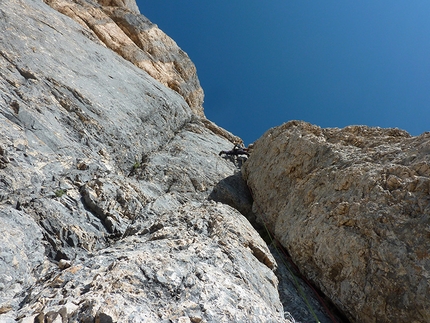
pixel 105 175
pixel 352 207
pixel 119 26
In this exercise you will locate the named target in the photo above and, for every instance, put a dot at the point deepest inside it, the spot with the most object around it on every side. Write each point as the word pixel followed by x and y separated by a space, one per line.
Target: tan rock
pixel 129 4
pixel 352 207
pixel 119 26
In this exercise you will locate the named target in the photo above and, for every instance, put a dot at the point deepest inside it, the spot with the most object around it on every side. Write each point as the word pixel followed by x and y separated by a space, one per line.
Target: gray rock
pixel 119 26
pixel 115 202
pixel 197 263
pixel 21 255
pixel 108 171
pixel 352 208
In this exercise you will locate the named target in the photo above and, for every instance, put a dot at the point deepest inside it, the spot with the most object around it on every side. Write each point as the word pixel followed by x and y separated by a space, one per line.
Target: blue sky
pixel 331 63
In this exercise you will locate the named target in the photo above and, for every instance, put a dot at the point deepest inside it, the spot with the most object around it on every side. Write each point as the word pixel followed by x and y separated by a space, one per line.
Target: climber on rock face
pixel 236 151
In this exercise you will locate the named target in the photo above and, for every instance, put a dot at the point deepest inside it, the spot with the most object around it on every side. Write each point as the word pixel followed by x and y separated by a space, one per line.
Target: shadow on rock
pixel 233 191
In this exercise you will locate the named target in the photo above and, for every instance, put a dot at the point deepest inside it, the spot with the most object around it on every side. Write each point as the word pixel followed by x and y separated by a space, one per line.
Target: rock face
pixel 116 207
pixel 105 178
pixel 352 207
pixel 119 26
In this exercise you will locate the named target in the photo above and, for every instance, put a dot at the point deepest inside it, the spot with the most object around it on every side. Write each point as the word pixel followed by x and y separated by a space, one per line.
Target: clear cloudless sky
pixel 331 63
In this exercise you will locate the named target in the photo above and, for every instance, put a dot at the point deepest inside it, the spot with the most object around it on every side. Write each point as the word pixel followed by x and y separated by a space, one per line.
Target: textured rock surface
pixel 119 26
pixel 113 199
pixel 105 175
pixel 114 203
pixel 352 207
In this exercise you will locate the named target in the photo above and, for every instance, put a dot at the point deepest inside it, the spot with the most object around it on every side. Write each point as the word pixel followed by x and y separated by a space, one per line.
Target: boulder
pixel 352 208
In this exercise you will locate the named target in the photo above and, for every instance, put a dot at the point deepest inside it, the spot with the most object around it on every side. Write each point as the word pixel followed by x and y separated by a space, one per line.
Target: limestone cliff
pixel 352 207
pixel 114 203
pixel 115 206
pixel 119 26
pixel 105 174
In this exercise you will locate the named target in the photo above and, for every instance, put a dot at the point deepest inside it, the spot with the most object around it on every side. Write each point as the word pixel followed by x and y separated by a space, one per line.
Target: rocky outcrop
pixel 116 207
pixel 105 178
pixel 119 26
pixel 352 207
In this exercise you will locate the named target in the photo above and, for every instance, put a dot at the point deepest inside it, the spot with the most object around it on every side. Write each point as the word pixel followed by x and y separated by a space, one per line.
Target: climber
pixel 237 150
